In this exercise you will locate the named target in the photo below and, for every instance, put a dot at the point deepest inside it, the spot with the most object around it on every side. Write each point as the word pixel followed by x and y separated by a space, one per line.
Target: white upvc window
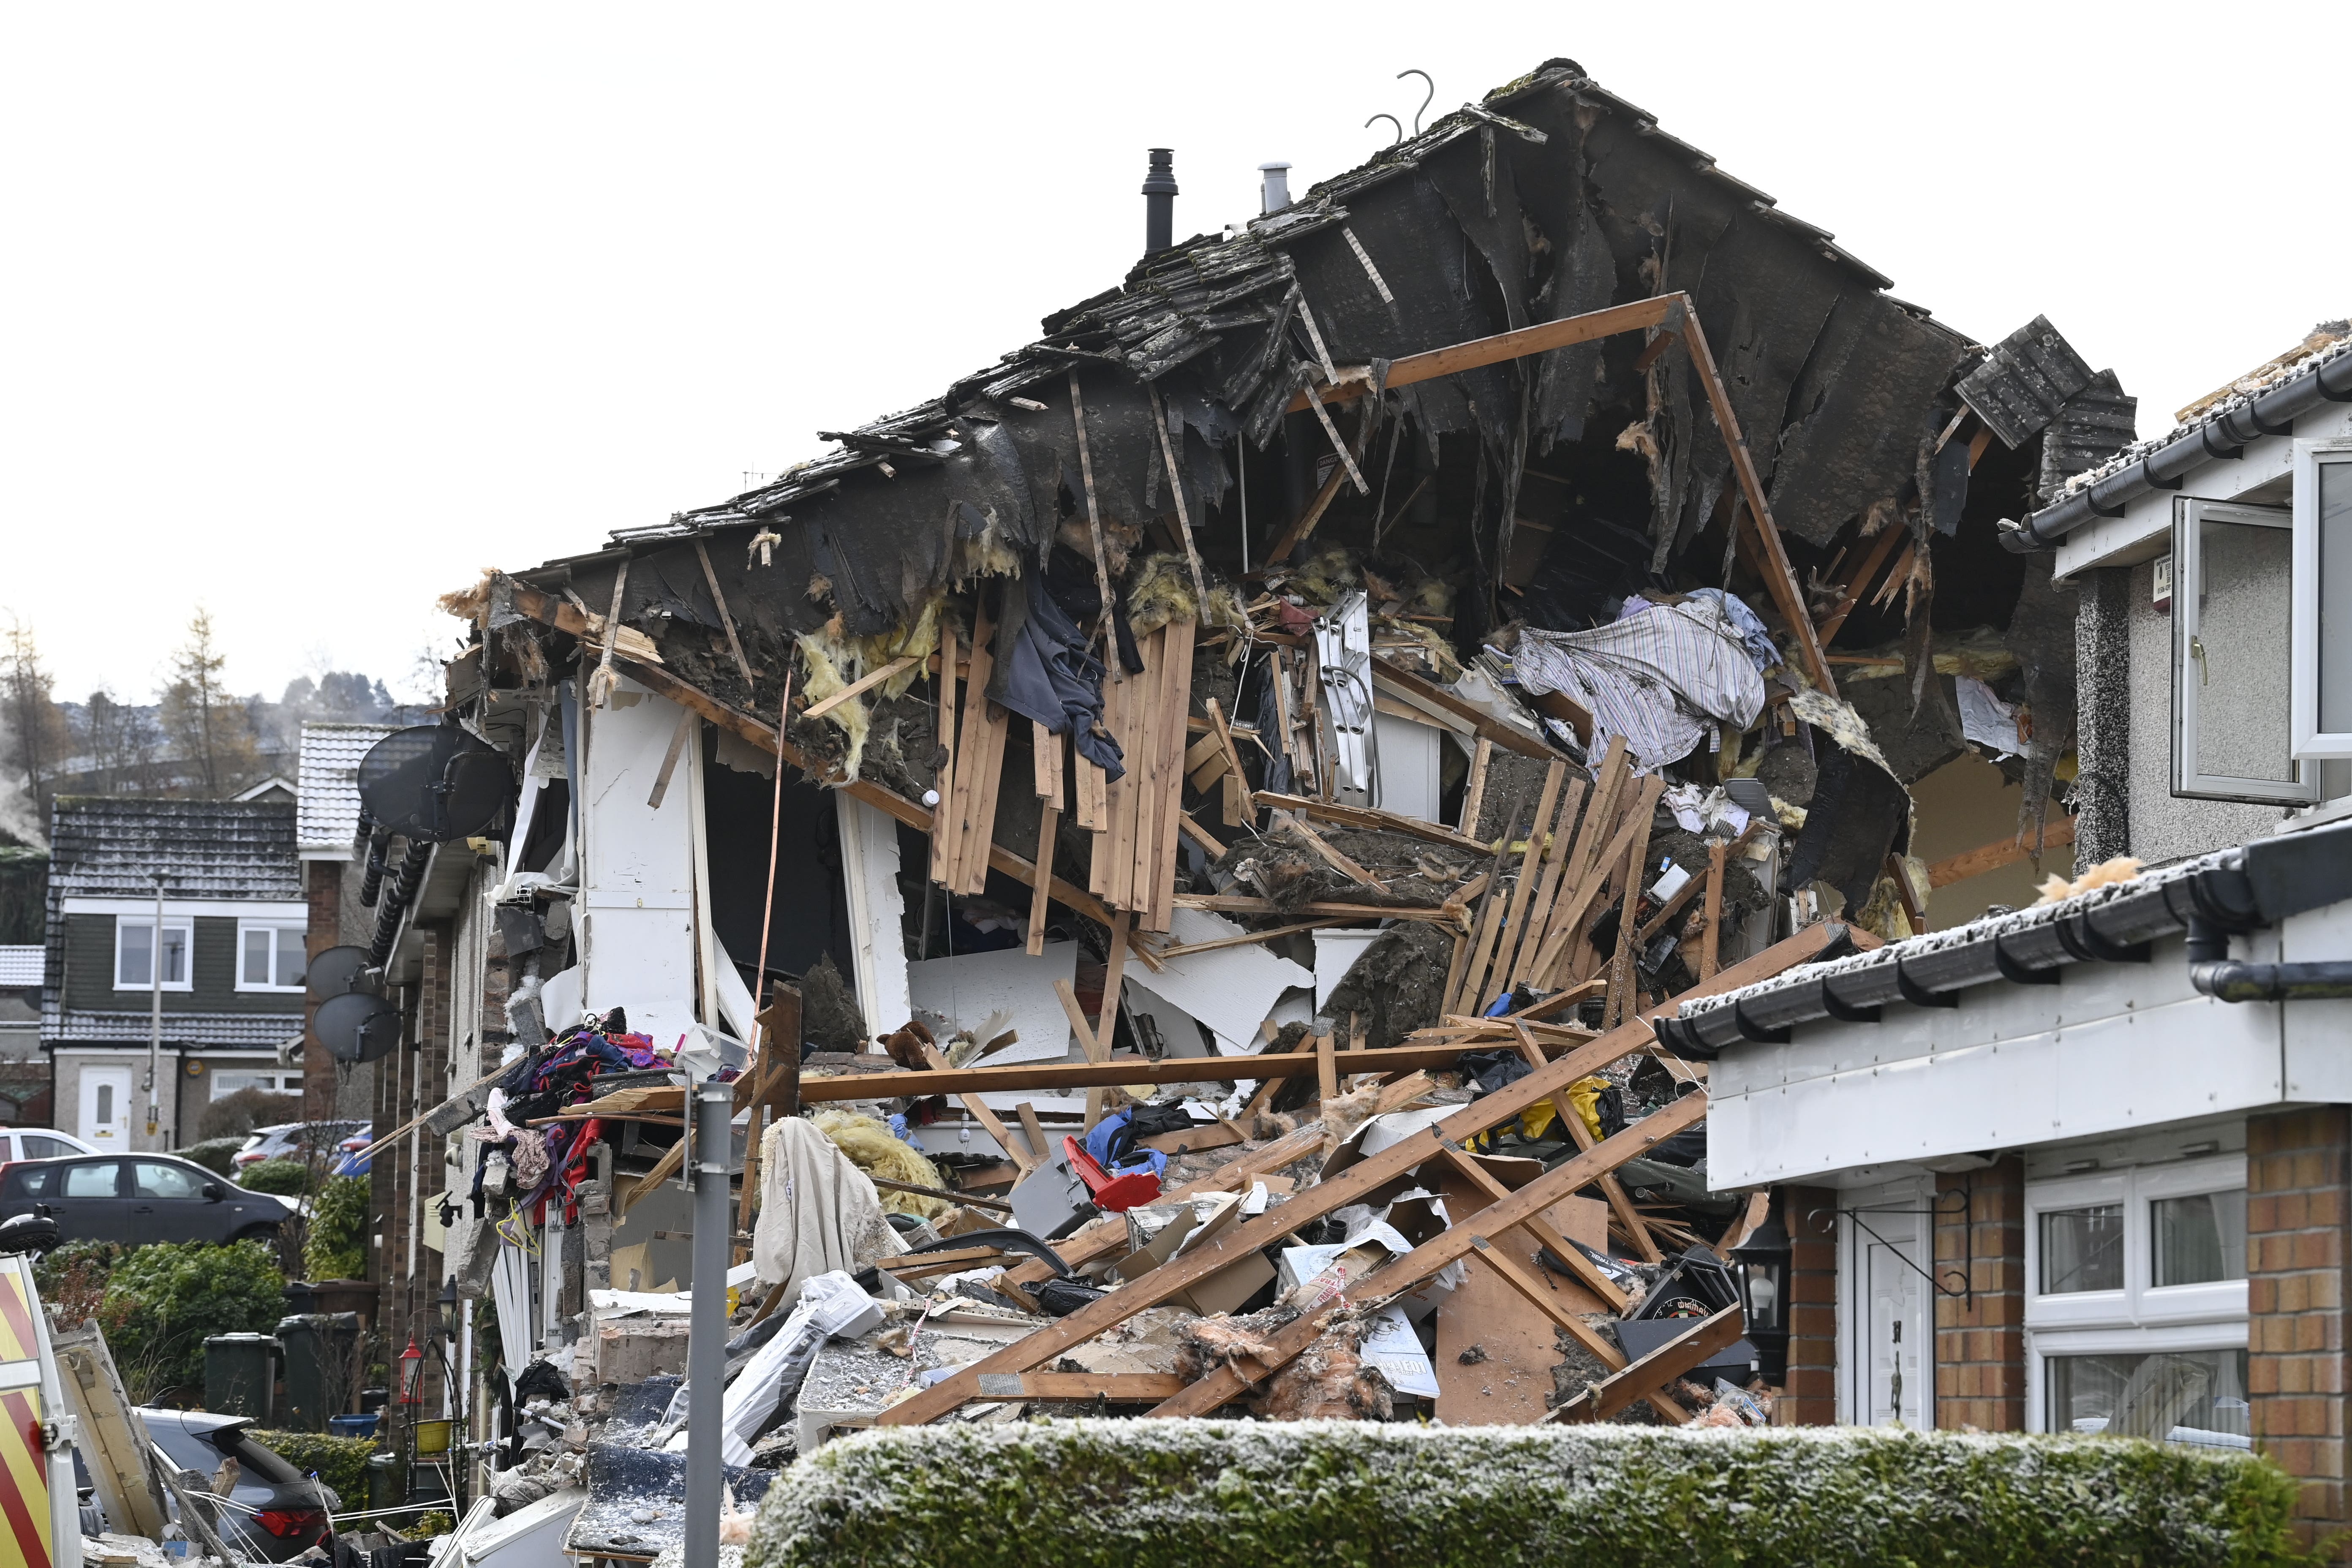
pixel 134 954
pixel 2135 1302
pixel 2232 713
pixel 269 955
pixel 2323 599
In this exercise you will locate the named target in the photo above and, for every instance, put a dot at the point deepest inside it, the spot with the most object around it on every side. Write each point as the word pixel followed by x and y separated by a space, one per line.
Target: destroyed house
pixel 1305 712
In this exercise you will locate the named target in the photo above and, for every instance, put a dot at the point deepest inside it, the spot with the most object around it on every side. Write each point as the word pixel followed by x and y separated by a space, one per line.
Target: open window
pixel 2232 717
pixel 2323 599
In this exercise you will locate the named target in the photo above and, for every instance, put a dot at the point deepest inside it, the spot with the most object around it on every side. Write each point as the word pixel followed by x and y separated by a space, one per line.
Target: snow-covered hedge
pixel 1138 1494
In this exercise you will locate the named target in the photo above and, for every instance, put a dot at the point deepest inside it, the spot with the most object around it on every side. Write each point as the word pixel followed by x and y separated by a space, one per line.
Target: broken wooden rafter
pixel 859 686
pixel 1678 316
pixel 1685 1352
pixel 1371 818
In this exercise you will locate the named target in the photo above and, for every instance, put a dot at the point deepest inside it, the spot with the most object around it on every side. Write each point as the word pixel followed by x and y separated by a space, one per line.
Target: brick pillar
pixel 1809 1394
pixel 323 886
pixel 1980 1336
pixel 2298 1167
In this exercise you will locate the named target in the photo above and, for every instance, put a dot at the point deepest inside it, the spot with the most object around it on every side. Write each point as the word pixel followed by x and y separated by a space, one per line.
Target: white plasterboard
pixel 1408 759
pixel 962 992
pixel 1231 990
pixel 1336 952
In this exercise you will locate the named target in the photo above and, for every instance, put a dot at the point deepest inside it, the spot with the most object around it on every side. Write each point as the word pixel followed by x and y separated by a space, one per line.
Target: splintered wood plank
pixel 1474 792
pixel 1046 763
pixel 1049 819
pixel 973 775
pixel 861 686
pixel 1523 886
pixel 1148 763
pixel 981 825
pixel 943 819
pixel 1090 793
pixel 1619 1002
pixel 1241 810
pixel 1470 998
pixel 1568 918
pixel 1711 944
pixel 1521 967
pixel 1644 1378
pixel 1178 701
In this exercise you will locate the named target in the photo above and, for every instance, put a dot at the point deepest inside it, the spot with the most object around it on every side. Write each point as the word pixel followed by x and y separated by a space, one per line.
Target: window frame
pixel 184 924
pixel 2154 1340
pixel 2309 739
pixel 2188 574
pixel 2140 1305
pixel 274 927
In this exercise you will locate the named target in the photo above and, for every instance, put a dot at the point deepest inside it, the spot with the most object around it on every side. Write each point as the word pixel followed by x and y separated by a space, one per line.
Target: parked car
pixel 40 1144
pixel 288 1508
pixel 140 1198
pixel 297 1141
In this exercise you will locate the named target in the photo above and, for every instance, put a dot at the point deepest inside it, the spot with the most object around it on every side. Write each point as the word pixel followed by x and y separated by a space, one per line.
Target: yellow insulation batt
pixel 874 1149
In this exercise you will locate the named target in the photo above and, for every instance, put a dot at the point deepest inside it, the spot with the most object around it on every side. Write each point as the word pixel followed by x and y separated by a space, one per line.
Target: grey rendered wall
pixel 2163 828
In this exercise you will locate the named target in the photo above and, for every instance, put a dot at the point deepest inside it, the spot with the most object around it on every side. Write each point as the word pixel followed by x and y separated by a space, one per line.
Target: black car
pixel 138 1198
pixel 275 1512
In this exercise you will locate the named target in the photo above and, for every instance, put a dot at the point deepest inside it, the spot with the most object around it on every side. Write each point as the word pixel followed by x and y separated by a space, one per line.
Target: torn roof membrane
pixel 1550 198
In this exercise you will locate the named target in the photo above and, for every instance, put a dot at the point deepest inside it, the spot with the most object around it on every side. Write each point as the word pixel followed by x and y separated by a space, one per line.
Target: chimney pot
pixel 1160 202
pixel 1273 189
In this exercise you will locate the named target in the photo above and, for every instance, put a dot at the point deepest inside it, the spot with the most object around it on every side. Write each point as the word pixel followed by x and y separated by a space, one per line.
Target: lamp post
pixel 1763 1261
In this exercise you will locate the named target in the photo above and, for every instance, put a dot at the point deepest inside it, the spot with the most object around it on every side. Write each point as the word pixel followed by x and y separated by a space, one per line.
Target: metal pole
pixel 706 1345
pixel 155 1016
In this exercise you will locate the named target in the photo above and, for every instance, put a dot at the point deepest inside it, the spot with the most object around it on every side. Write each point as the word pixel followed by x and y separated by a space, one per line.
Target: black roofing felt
pixel 1551 198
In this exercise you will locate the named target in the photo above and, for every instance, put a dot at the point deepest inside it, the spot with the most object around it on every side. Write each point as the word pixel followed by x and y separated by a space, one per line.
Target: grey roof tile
pixel 327 817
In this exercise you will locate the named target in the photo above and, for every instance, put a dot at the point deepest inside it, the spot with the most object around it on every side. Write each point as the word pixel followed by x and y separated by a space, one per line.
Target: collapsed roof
pixel 1551 198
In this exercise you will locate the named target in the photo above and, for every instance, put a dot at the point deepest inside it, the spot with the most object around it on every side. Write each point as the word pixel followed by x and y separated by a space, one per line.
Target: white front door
pixel 1899 1329
pixel 106 1108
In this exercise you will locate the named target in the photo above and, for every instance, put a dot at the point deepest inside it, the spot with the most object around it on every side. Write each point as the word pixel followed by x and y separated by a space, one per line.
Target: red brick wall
pixel 2298 1169
pixel 1809 1397
pixel 1980 1336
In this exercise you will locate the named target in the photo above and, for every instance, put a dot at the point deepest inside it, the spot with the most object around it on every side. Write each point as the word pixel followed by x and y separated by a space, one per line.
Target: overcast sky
pixel 309 313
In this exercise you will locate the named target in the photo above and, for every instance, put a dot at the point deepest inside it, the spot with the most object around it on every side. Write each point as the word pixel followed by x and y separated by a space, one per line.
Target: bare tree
pixel 33 735
pixel 119 741
pixel 210 730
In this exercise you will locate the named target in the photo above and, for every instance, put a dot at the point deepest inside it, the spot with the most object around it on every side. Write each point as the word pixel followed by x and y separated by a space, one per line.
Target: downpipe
pixel 2225 979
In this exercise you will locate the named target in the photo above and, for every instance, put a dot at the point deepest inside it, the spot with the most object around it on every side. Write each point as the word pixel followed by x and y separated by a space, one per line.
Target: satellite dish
pixel 357 1028
pixel 335 971
pixel 434 782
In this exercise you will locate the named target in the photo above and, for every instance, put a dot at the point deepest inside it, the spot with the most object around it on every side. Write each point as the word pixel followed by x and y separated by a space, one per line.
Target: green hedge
pixel 1351 1495
pixel 337 1248
pixel 341 1462
pixel 286 1178
pixel 215 1154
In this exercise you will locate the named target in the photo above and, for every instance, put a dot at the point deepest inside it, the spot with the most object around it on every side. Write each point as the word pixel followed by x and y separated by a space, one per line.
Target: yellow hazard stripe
pixel 15 1316
pixel 24 1480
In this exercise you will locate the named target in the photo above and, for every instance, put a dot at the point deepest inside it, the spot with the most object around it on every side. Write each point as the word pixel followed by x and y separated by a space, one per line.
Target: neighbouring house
pixel 334 855
pixel 2087 1165
pixel 229 954
pixel 24 1075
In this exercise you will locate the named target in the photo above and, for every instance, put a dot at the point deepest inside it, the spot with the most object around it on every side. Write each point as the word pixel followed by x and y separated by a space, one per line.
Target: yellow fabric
pixel 1584 1096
